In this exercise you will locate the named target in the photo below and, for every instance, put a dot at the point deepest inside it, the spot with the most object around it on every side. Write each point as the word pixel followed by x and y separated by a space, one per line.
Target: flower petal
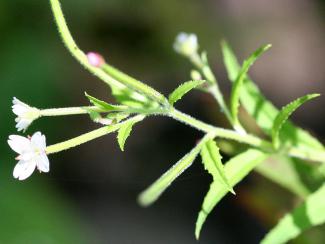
pixel 19 107
pixel 39 140
pixel 19 110
pixel 24 169
pixel 19 143
pixel 42 163
pixel 22 124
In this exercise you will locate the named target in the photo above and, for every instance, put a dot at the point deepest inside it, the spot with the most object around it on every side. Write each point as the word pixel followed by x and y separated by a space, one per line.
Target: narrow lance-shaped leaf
pixel 152 193
pixel 236 89
pixel 275 167
pixel 264 113
pixel 308 214
pixel 182 89
pixel 230 61
pixel 124 133
pixel 211 160
pixel 284 114
pixel 134 84
pixel 262 110
pixel 104 105
pixel 236 169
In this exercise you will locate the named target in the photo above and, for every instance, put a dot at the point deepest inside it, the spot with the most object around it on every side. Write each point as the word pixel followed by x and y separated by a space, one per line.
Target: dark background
pixel 89 196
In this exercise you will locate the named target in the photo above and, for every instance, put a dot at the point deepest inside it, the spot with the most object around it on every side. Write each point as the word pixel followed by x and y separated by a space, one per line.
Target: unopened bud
pixel 186 44
pixel 195 75
pixel 95 59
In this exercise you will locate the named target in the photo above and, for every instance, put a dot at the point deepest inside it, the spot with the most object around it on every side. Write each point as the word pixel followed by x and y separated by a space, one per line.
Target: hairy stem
pixel 313 155
pixel 220 132
pixel 74 49
pixel 89 136
pixel 214 90
pixel 108 74
pixel 68 111
pixel 115 78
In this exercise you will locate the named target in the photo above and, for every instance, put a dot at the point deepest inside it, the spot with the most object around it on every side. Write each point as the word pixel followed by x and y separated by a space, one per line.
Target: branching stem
pixel 115 78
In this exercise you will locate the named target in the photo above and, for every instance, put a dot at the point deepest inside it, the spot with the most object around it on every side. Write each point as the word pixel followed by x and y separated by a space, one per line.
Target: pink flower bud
pixel 95 59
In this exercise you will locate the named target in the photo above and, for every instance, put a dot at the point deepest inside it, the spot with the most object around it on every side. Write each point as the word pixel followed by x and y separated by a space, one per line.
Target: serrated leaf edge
pixel 182 89
pixel 285 113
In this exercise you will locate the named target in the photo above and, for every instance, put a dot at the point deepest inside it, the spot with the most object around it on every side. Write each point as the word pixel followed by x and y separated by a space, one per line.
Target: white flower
pixel 32 155
pixel 186 44
pixel 25 114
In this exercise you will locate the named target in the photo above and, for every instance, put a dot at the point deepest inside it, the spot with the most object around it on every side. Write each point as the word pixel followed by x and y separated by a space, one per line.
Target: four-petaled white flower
pixel 25 114
pixel 32 154
pixel 186 44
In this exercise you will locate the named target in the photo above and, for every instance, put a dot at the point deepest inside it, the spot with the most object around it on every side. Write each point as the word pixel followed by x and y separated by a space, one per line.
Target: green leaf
pixel 211 159
pixel 284 114
pixel 104 105
pixel 152 193
pixel 308 214
pixel 237 86
pixel 133 99
pixel 275 167
pixel 94 115
pixel 117 117
pixel 236 169
pixel 230 61
pixel 124 133
pixel 184 88
pixel 97 117
pixel 134 85
pixel 264 112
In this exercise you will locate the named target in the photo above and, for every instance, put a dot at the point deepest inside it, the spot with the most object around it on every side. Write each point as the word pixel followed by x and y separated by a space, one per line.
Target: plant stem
pixel 89 136
pixel 220 132
pixel 74 49
pixel 313 155
pixel 215 92
pixel 135 84
pixel 214 89
pixel 115 78
pixel 68 111
pixel 107 73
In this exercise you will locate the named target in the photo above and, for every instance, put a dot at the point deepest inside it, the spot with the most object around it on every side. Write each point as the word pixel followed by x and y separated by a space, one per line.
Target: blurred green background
pixel 89 194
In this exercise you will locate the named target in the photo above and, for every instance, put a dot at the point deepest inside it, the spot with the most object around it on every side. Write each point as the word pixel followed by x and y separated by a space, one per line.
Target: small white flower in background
pixel 186 44
pixel 25 114
pixel 32 154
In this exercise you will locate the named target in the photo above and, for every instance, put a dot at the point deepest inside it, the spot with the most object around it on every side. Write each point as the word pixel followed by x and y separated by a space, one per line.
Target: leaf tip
pixel 268 46
pixel 197 233
pixel 313 95
pixel 140 201
pixel 199 223
pixel 121 142
pixel 223 43
pixel 197 236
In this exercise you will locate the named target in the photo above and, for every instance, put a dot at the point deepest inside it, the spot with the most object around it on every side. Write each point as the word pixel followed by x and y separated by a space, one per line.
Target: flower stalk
pixel 106 72
pixel 187 45
pixel 58 147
